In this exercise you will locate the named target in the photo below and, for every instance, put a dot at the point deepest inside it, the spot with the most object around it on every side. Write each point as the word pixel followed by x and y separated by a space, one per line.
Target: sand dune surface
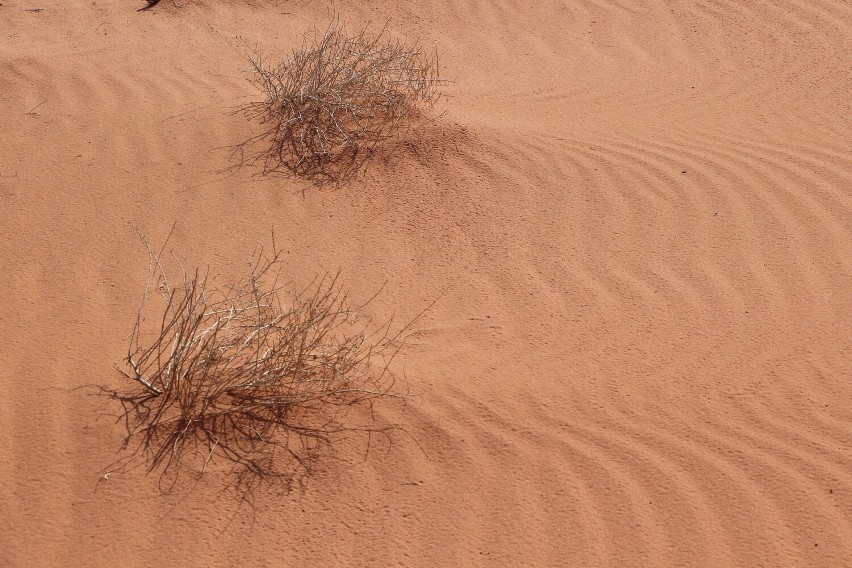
pixel 635 217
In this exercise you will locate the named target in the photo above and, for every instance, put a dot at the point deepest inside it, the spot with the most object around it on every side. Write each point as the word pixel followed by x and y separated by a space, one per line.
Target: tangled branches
pixel 237 372
pixel 330 104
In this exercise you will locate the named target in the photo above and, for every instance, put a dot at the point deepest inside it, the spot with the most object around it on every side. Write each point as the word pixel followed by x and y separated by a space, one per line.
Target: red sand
pixel 637 216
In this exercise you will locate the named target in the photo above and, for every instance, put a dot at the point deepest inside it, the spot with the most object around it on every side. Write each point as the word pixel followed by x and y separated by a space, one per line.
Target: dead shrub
pixel 335 100
pixel 249 373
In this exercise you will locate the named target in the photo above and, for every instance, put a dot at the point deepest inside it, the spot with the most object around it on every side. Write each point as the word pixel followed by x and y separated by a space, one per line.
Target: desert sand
pixel 636 217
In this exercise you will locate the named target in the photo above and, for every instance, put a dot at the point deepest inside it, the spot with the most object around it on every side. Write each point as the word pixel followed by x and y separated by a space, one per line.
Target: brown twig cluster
pixel 238 372
pixel 331 103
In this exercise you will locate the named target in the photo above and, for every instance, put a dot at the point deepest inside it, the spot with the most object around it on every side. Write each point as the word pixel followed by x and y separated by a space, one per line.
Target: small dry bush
pixel 332 102
pixel 247 372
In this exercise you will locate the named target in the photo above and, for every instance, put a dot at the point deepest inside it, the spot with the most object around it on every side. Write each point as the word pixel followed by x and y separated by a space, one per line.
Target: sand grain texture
pixel 637 216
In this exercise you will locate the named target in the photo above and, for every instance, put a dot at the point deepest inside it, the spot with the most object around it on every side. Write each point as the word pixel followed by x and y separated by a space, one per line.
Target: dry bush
pixel 332 102
pixel 247 372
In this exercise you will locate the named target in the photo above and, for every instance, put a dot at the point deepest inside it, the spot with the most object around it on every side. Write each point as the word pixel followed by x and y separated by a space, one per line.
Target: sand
pixel 636 218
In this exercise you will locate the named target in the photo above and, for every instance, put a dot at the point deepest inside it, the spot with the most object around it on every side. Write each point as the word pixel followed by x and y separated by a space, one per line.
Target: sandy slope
pixel 637 216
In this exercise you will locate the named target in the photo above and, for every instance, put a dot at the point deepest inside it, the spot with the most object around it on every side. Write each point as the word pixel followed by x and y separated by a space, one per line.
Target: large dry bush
pixel 332 102
pixel 248 372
